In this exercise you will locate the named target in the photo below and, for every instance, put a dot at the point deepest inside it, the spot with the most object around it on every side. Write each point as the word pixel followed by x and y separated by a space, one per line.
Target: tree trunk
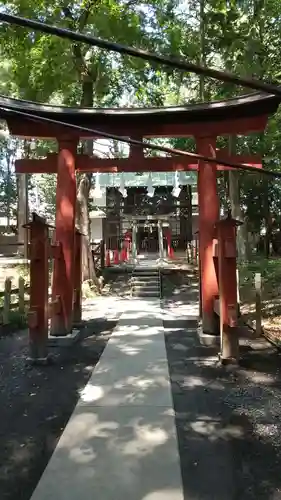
pixel 83 190
pixel 22 212
pixel 249 247
pixel 22 188
pixel 202 50
pixel 8 188
pixel 267 220
pixel 236 211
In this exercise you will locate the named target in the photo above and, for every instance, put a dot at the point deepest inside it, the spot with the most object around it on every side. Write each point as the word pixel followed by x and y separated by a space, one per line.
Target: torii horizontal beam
pixel 84 163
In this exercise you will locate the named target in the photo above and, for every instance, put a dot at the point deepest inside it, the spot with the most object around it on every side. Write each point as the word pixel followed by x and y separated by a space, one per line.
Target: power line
pixel 135 142
pixel 171 62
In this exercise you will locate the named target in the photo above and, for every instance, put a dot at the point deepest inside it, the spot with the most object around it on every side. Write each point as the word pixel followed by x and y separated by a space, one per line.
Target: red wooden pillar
pixel 77 313
pixel 39 278
pixel 208 203
pixel 64 262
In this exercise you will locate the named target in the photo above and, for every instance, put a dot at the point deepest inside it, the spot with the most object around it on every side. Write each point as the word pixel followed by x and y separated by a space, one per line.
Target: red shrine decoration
pixel 116 256
pixel 205 122
pixel 107 258
pixel 128 240
pixel 169 241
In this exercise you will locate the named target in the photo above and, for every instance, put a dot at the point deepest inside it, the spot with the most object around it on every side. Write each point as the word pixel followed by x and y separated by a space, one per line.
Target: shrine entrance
pixel 147 239
pixel 151 235
pixel 176 213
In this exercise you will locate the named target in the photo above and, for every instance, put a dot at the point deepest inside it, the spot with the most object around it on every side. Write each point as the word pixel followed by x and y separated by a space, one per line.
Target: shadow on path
pixel 228 423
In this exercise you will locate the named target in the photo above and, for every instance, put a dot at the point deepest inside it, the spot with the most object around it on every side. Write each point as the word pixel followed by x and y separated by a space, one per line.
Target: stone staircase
pixel 145 283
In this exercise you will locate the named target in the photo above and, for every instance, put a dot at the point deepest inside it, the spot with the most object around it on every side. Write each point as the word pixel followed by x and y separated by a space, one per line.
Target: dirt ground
pixel 36 403
pixel 228 422
pixel 231 420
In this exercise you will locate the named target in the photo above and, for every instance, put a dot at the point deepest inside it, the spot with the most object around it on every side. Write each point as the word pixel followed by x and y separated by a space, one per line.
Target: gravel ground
pixel 35 404
pixel 228 423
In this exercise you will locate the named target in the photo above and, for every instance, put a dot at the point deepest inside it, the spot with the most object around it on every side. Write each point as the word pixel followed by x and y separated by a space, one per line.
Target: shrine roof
pixel 149 121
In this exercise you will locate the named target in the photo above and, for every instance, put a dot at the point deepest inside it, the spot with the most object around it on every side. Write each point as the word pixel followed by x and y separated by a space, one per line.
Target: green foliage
pixel 8 188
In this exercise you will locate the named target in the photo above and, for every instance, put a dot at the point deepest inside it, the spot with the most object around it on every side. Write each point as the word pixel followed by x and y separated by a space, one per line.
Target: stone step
pixel 146 294
pixel 145 283
pixel 145 272
pixel 145 289
pixel 145 278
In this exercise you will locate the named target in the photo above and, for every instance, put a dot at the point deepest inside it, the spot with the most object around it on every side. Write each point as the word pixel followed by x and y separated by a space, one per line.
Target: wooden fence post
pixel 7 301
pixel 258 304
pixel 21 295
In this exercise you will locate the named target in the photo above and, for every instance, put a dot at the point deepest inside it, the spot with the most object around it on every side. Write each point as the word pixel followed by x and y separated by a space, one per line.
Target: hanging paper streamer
pixel 97 191
pixel 122 187
pixel 176 190
pixel 150 188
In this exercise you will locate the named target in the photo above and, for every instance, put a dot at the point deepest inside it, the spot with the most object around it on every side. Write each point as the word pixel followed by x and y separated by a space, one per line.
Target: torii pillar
pixel 208 203
pixel 64 261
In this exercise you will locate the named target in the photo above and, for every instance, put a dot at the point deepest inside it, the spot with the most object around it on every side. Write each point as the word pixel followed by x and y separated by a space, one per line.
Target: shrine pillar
pixel 208 203
pixel 134 242
pixel 64 262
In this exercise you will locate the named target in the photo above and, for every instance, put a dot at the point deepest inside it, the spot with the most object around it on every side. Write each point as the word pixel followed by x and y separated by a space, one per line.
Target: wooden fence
pixel 8 297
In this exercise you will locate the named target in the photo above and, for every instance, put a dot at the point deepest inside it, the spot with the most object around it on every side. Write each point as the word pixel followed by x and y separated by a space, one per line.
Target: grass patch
pixel 270 270
pixel 17 321
pixel 271 278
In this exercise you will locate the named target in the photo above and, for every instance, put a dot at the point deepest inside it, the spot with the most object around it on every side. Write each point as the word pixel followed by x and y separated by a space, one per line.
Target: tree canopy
pixel 241 36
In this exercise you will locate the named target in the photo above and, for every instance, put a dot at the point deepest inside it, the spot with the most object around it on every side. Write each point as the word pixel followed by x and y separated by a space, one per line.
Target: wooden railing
pixel 98 253
pixel 7 297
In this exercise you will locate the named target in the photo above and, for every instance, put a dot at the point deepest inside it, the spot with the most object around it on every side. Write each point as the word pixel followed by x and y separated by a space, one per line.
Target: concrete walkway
pixel 120 442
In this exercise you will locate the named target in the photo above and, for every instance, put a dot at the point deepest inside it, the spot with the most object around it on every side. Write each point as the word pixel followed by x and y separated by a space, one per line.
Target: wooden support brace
pixel 54 307
pixel 231 317
pixel 7 301
pixel 55 250
pixel 258 304
pixel 32 319
pixel 39 277
pixel 225 251
pixel 35 250
pixel 77 296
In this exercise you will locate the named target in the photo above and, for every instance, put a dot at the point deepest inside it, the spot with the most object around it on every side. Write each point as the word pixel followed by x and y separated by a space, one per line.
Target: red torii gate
pixel 140 164
pixel 205 122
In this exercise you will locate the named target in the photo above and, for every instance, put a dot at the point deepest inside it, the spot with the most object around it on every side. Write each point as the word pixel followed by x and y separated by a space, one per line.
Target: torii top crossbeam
pixel 240 115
